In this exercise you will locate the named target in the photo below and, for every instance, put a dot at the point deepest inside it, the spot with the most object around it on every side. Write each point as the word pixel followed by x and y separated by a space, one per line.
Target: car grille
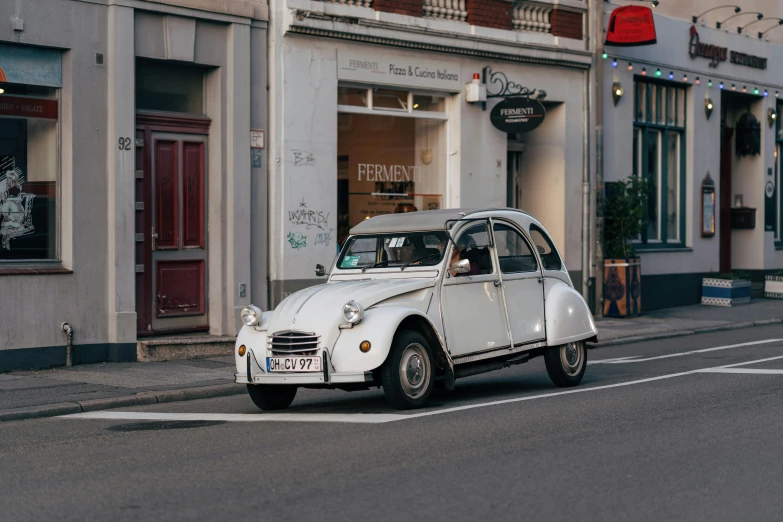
pixel 300 343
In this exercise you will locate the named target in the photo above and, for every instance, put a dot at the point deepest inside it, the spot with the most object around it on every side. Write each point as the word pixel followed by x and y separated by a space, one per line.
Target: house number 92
pixel 125 143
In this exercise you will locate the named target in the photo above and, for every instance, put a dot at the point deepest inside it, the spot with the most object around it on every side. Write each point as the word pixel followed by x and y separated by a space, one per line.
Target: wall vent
pixel 99 59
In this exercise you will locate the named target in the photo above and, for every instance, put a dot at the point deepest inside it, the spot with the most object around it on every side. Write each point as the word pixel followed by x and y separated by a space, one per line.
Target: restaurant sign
pixel 517 115
pixel 717 54
pixel 28 107
pixel 631 25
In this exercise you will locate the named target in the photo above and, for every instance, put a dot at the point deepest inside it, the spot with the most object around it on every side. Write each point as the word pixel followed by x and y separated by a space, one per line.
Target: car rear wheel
pixel 408 371
pixel 566 363
pixel 271 397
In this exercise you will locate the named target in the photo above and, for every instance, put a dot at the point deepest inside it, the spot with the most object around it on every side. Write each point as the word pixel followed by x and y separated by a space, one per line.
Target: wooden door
pixel 171 233
pixel 726 158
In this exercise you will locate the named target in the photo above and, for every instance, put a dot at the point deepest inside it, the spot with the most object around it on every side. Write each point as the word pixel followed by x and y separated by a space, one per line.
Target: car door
pixel 474 313
pixel 523 287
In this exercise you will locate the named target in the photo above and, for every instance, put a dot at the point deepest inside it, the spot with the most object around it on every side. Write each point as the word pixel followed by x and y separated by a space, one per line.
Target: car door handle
pixel 540 279
pixel 497 282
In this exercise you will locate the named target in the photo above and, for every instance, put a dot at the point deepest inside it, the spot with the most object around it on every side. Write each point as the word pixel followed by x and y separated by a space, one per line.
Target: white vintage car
pixel 417 299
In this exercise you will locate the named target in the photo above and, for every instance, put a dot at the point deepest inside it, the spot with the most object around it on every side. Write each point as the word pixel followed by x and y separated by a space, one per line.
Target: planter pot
pixel 725 292
pixel 773 287
pixel 623 287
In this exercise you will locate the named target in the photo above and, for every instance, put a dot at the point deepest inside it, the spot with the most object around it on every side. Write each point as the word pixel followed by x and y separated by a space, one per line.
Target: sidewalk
pixel 61 391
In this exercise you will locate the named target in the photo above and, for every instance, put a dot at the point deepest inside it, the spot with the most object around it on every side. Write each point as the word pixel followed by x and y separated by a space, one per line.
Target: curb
pixel 140 399
pixel 684 333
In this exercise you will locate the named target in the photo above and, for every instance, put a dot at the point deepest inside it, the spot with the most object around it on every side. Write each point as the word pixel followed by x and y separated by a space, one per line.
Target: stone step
pixel 157 349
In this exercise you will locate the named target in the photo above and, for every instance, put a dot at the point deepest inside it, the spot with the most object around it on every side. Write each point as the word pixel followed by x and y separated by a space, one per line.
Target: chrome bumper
pixel 255 374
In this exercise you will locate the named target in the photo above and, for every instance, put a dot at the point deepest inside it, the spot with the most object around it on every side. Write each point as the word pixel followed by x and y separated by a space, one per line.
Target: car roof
pixel 421 221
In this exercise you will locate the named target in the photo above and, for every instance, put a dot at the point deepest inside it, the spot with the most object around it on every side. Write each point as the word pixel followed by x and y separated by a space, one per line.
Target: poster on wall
pixel 16 206
pixel 630 26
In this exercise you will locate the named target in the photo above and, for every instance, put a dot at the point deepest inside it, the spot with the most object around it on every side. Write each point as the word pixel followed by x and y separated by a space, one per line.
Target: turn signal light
pixel 241 350
pixel 365 346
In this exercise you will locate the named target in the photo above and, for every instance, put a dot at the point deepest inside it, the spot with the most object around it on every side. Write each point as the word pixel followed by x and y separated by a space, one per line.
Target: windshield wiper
pixel 376 265
pixel 409 263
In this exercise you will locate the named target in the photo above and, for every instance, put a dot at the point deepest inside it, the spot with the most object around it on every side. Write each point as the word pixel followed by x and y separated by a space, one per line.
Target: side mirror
pixel 320 271
pixel 461 267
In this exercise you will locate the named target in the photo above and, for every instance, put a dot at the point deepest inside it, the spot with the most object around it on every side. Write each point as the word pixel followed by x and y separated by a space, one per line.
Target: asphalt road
pixel 650 437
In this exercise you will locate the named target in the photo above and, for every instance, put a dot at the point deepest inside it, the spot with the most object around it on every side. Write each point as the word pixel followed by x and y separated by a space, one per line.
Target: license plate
pixel 293 364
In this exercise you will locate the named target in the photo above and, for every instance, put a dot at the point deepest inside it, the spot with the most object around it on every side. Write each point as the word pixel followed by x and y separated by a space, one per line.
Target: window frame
pixel 525 240
pixel 651 123
pixel 10 266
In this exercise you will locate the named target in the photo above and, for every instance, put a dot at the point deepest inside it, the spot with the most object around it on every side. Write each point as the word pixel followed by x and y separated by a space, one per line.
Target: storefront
pixel 360 130
pixel 695 116
pixel 126 166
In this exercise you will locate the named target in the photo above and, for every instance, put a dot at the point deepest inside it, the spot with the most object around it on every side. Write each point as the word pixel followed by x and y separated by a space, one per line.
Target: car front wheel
pixel 270 397
pixel 408 372
pixel 566 363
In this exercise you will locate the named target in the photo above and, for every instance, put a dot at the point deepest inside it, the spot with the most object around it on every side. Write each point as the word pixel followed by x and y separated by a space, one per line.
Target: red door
pixel 171 279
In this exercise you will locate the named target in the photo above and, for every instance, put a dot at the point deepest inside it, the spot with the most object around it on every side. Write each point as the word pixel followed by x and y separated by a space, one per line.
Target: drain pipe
pixel 68 329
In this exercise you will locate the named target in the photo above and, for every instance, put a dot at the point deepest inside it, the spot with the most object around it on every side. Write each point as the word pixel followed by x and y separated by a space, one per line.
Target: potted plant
pixel 624 221
pixel 726 289
pixel 773 285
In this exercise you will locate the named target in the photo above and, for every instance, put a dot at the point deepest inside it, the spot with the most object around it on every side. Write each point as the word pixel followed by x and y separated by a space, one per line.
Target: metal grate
pixel 304 343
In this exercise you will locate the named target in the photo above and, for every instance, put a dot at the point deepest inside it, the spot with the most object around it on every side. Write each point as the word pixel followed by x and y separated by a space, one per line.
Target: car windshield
pixel 376 251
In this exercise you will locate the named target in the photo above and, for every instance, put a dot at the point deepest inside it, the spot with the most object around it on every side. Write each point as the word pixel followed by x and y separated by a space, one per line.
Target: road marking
pixel 626 360
pixel 359 418
pixel 382 418
pixel 742 370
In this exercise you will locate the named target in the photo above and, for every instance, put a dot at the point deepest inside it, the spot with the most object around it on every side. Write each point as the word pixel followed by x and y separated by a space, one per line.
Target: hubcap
pixel 414 370
pixel 572 358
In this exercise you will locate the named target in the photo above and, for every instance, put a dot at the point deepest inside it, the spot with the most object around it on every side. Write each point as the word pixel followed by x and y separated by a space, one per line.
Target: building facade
pixel 695 115
pixel 129 174
pixel 369 115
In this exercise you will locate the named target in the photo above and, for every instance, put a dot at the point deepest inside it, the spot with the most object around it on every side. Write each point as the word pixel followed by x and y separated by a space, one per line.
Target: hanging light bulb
pixel 644 71
pixel 766 93
pixel 697 81
pixel 614 62
pixel 709 83
pixel 721 85
pixel 604 55
pixel 630 66
pixel 658 72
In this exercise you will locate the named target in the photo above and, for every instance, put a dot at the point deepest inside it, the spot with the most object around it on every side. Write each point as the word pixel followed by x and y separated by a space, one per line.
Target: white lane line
pixel 379 418
pixel 754 371
pixel 359 418
pixel 624 360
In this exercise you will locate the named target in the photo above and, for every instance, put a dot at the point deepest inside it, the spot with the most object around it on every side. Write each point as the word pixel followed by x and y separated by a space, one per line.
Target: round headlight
pixel 251 315
pixel 353 312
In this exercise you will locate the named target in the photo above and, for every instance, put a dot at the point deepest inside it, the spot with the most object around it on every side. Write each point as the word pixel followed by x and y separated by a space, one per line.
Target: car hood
pixel 319 308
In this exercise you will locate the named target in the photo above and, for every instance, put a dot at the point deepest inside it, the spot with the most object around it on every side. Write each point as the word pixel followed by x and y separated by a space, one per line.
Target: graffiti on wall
pixel 308 217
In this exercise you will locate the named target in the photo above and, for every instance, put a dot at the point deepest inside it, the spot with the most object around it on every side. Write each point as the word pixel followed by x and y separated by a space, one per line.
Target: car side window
pixel 546 249
pixel 514 253
pixel 473 245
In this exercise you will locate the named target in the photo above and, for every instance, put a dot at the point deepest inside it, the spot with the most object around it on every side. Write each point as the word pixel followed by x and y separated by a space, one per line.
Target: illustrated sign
pixel 408 72
pixel 28 107
pixel 717 54
pixel 631 25
pixel 517 115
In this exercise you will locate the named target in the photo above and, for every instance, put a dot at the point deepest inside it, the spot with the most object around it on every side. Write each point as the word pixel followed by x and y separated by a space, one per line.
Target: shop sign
pixel 631 25
pixel 396 173
pixel 717 54
pixel 407 72
pixel 517 115
pixel 28 107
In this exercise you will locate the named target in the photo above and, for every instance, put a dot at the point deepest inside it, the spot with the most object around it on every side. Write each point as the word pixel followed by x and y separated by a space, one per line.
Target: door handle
pixel 497 282
pixel 540 280
pixel 154 237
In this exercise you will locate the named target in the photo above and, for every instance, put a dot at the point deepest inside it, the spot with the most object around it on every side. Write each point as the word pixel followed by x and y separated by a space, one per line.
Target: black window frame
pixel 651 123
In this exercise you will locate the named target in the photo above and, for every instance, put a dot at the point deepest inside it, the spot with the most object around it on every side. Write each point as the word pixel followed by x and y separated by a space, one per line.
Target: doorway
pixel 726 159
pixel 171 234
pixel 514 174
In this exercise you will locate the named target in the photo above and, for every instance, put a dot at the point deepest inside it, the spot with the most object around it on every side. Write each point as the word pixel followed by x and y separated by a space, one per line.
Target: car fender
pixel 568 317
pixel 378 327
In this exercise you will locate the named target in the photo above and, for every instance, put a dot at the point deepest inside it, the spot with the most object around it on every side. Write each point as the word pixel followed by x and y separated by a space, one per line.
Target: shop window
pixel 162 86
pixel 29 172
pixel 659 158
pixel 352 96
pixel 388 163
